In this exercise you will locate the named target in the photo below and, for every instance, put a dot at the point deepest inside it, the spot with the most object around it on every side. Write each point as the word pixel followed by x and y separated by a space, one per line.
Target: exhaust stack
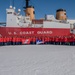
pixel 29 10
pixel 61 14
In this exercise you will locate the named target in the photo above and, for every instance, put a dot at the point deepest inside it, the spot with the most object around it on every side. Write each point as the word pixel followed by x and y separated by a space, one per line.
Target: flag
pixel 39 42
pixel 27 41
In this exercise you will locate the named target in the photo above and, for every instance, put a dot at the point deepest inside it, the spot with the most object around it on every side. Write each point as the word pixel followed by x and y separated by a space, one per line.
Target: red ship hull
pixel 11 31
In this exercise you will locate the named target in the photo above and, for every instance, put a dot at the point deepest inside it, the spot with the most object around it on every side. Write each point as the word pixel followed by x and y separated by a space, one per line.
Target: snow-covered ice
pixel 37 60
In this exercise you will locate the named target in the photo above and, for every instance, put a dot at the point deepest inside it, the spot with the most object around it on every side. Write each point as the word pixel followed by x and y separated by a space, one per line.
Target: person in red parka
pixel 23 40
pixel 1 41
pixel 73 40
pixel 46 40
pixel 66 40
pixel 34 40
pixel 43 40
pixel 56 40
pixel 5 40
pixel 18 40
pixel 8 41
pixel 62 40
pixel 14 40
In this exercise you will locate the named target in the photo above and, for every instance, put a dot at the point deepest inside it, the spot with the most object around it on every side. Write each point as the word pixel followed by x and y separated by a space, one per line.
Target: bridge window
pixel 9 12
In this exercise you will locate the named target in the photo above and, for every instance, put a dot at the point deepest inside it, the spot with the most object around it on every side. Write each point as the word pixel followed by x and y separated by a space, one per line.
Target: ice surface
pixel 37 60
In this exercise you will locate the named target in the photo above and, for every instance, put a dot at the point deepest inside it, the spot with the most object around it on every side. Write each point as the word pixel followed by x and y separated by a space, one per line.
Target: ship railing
pixel 2 25
pixel 37 25
pixel 59 21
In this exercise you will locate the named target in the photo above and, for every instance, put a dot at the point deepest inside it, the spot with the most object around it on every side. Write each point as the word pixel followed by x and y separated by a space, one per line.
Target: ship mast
pixel 27 3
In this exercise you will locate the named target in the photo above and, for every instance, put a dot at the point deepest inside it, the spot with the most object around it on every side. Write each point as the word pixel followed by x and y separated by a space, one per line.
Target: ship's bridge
pixel 14 19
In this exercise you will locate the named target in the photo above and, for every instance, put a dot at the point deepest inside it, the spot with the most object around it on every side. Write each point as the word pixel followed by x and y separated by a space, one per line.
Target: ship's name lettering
pixel 27 32
pixel 30 32
pixel 44 32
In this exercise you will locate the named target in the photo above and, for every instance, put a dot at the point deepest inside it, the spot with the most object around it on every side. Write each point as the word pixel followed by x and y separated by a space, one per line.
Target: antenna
pixel 27 3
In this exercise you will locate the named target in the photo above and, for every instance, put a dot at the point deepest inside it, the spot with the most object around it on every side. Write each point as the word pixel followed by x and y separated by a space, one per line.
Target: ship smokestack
pixel 29 11
pixel 61 14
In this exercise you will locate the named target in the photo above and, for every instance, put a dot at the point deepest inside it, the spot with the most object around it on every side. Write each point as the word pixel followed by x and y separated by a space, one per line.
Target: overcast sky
pixel 42 7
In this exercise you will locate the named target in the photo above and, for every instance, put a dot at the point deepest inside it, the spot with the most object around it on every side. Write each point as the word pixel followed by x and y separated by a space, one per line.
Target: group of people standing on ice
pixel 56 40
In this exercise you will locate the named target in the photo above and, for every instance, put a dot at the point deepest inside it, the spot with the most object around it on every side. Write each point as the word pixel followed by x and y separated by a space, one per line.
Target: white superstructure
pixel 15 19
pixel 53 24
pixel 71 21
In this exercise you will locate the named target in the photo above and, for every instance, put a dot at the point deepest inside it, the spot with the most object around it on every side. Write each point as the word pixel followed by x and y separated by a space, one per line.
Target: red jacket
pixel 1 39
pixel 4 39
